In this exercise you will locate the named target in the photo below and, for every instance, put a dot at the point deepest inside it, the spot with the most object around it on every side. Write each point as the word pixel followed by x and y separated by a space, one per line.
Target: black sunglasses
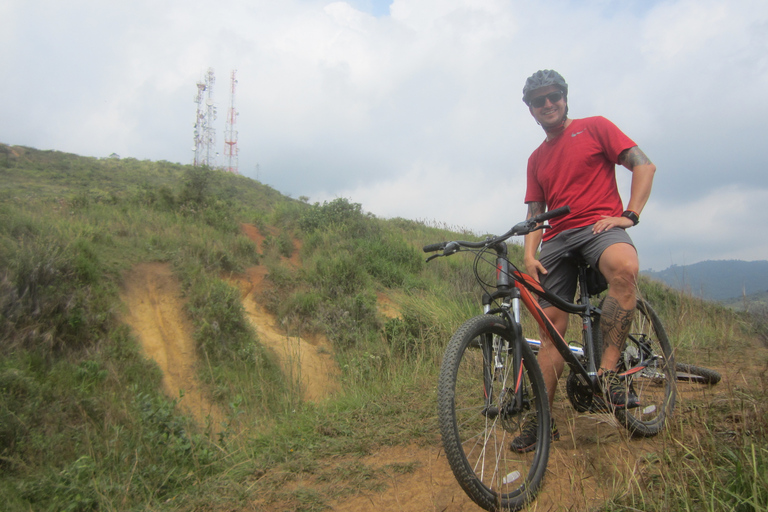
pixel 553 97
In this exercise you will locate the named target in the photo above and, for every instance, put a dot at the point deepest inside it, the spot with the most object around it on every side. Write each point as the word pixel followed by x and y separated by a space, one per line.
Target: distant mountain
pixel 756 303
pixel 716 280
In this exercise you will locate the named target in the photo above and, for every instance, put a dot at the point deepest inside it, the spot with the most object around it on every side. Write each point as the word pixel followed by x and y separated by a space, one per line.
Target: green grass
pixel 84 424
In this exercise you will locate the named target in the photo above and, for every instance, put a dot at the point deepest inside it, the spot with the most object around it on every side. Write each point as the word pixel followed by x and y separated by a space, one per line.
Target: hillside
pixel 716 280
pixel 182 339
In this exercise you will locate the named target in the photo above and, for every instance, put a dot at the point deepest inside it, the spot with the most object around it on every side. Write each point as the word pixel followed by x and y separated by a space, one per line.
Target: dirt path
pixel 307 361
pixel 155 311
pixel 593 457
pixel 152 294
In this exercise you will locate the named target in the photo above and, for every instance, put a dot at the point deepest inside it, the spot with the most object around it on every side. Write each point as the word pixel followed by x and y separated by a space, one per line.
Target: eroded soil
pixel 593 457
pixel 152 297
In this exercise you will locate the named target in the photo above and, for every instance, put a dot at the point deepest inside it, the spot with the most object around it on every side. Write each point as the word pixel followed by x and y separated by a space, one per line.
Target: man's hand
pixel 532 242
pixel 534 268
pixel 607 223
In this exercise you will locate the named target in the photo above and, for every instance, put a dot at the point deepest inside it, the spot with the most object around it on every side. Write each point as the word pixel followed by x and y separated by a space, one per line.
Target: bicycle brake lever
pixel 451 248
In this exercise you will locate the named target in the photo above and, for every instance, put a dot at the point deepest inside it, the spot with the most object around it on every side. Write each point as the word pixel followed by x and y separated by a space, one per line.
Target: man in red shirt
pixel 576 166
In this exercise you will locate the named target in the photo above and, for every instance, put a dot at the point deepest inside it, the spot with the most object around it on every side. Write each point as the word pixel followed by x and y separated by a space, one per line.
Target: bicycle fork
pixel 497 350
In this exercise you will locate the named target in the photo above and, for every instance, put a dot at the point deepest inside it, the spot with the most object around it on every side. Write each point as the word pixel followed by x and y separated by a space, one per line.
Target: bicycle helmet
pixel 541 79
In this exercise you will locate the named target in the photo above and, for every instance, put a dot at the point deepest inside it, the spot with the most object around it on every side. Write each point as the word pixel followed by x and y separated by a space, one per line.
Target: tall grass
pixel 714 458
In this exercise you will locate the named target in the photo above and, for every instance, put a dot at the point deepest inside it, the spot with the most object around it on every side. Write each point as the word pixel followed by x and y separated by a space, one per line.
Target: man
pixel 576 166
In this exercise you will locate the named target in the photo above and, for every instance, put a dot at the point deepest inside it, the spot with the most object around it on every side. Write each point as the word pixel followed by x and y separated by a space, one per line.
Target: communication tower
pixel 205 132
pixel 230 134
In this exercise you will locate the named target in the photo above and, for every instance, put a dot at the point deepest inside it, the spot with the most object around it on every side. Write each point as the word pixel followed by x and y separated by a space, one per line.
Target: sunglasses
pixel 553 97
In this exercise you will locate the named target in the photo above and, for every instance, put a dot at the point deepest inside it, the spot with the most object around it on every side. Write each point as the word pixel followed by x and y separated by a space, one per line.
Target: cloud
pixel 722 224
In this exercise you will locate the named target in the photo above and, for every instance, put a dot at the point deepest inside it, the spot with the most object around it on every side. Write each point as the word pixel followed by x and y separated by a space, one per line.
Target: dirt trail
pixel 307 361
pixel 152 294
pixel 593 457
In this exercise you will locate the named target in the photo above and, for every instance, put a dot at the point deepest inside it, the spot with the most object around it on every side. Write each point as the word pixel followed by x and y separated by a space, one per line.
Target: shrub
pixel 221 329
pixel 49 295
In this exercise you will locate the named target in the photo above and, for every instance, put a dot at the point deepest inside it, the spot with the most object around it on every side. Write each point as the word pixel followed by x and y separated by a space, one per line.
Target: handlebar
pixel 522 228
pixel 557 212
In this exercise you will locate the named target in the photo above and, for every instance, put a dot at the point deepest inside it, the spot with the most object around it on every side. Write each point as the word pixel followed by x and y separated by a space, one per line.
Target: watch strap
pixel 633 216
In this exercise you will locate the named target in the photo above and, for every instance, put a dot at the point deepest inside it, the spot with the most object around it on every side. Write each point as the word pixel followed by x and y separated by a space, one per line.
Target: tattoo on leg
pixel 615 322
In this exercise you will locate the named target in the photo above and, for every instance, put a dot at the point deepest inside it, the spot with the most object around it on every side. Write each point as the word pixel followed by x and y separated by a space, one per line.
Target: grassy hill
pixel 84 422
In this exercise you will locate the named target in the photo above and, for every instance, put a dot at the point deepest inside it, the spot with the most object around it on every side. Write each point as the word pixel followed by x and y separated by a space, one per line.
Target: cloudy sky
pixel 413 108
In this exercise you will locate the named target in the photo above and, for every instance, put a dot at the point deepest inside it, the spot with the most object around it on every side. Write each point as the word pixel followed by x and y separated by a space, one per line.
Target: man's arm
pixel 531 243
pixel 642 177
pixel 642 180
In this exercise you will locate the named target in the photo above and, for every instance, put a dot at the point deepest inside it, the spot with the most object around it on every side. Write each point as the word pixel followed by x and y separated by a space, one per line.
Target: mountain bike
pixel 490 383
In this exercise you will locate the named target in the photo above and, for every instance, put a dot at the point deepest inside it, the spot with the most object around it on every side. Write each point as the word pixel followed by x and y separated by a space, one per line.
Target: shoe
pixel 526 441
pixel 616 393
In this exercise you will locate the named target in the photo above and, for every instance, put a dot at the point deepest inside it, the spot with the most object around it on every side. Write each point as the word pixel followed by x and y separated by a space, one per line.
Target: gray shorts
pixel 562 275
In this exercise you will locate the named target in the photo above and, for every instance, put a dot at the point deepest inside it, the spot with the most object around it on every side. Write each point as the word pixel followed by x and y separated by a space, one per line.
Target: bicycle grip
pixel 553 213
pixel 435 247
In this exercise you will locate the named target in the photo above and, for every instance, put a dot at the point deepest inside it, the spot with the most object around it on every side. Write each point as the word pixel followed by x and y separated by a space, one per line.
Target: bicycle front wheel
pixel 486 395
pixel 648 367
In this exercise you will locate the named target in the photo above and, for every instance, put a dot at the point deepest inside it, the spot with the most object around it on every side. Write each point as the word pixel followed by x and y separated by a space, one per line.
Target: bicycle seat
pixel 577 258
pixel 596 281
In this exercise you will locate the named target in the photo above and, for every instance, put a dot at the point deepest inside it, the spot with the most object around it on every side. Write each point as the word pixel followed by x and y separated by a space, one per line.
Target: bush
pixel 50 295
pixel 221 329
pixel 339 277
pixel 339 214
pixel 196 185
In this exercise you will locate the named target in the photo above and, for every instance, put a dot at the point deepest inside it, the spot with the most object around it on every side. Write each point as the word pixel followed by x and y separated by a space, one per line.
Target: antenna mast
pixel 205 133
pixel 230 134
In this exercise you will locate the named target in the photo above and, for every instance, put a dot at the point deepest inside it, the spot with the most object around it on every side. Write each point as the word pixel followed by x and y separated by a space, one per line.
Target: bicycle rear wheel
pixel 648 367
pixel 698 374
pixel 484 398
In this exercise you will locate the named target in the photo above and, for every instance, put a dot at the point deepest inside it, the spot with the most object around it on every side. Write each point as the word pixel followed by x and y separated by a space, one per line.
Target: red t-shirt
pixel 578 169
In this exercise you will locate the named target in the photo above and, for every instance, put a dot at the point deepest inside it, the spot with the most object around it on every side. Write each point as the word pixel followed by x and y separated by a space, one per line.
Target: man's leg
pixel 619 264
pixel 550 360
pixel 552 364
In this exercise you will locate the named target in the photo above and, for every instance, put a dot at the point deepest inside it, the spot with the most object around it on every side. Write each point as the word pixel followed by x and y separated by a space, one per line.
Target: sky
pixel 412 108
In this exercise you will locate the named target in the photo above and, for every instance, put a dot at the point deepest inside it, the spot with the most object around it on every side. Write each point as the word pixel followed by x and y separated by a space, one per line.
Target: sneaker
pixel 616 393
pixel 526 441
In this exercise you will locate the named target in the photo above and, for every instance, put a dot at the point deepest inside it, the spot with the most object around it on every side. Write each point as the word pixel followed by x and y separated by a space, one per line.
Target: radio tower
pixel 230 134
pixel 205 133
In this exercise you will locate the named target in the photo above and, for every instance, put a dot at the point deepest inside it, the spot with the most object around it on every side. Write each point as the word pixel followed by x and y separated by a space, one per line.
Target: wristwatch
pixel 634 217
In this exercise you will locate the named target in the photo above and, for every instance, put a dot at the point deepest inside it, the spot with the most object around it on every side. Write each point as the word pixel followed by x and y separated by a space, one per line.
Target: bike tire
pixel 479 363
pixel 648 367
pixel 699 374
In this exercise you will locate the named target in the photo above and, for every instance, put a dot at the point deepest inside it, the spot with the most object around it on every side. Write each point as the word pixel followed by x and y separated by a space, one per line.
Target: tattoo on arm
pixel 633 156
pixel 535 208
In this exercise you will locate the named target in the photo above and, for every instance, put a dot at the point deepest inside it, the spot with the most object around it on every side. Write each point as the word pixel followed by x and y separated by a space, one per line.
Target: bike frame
pixel 520 287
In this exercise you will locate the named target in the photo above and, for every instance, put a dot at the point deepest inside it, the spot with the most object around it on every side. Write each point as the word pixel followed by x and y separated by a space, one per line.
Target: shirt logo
pixel 576 133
